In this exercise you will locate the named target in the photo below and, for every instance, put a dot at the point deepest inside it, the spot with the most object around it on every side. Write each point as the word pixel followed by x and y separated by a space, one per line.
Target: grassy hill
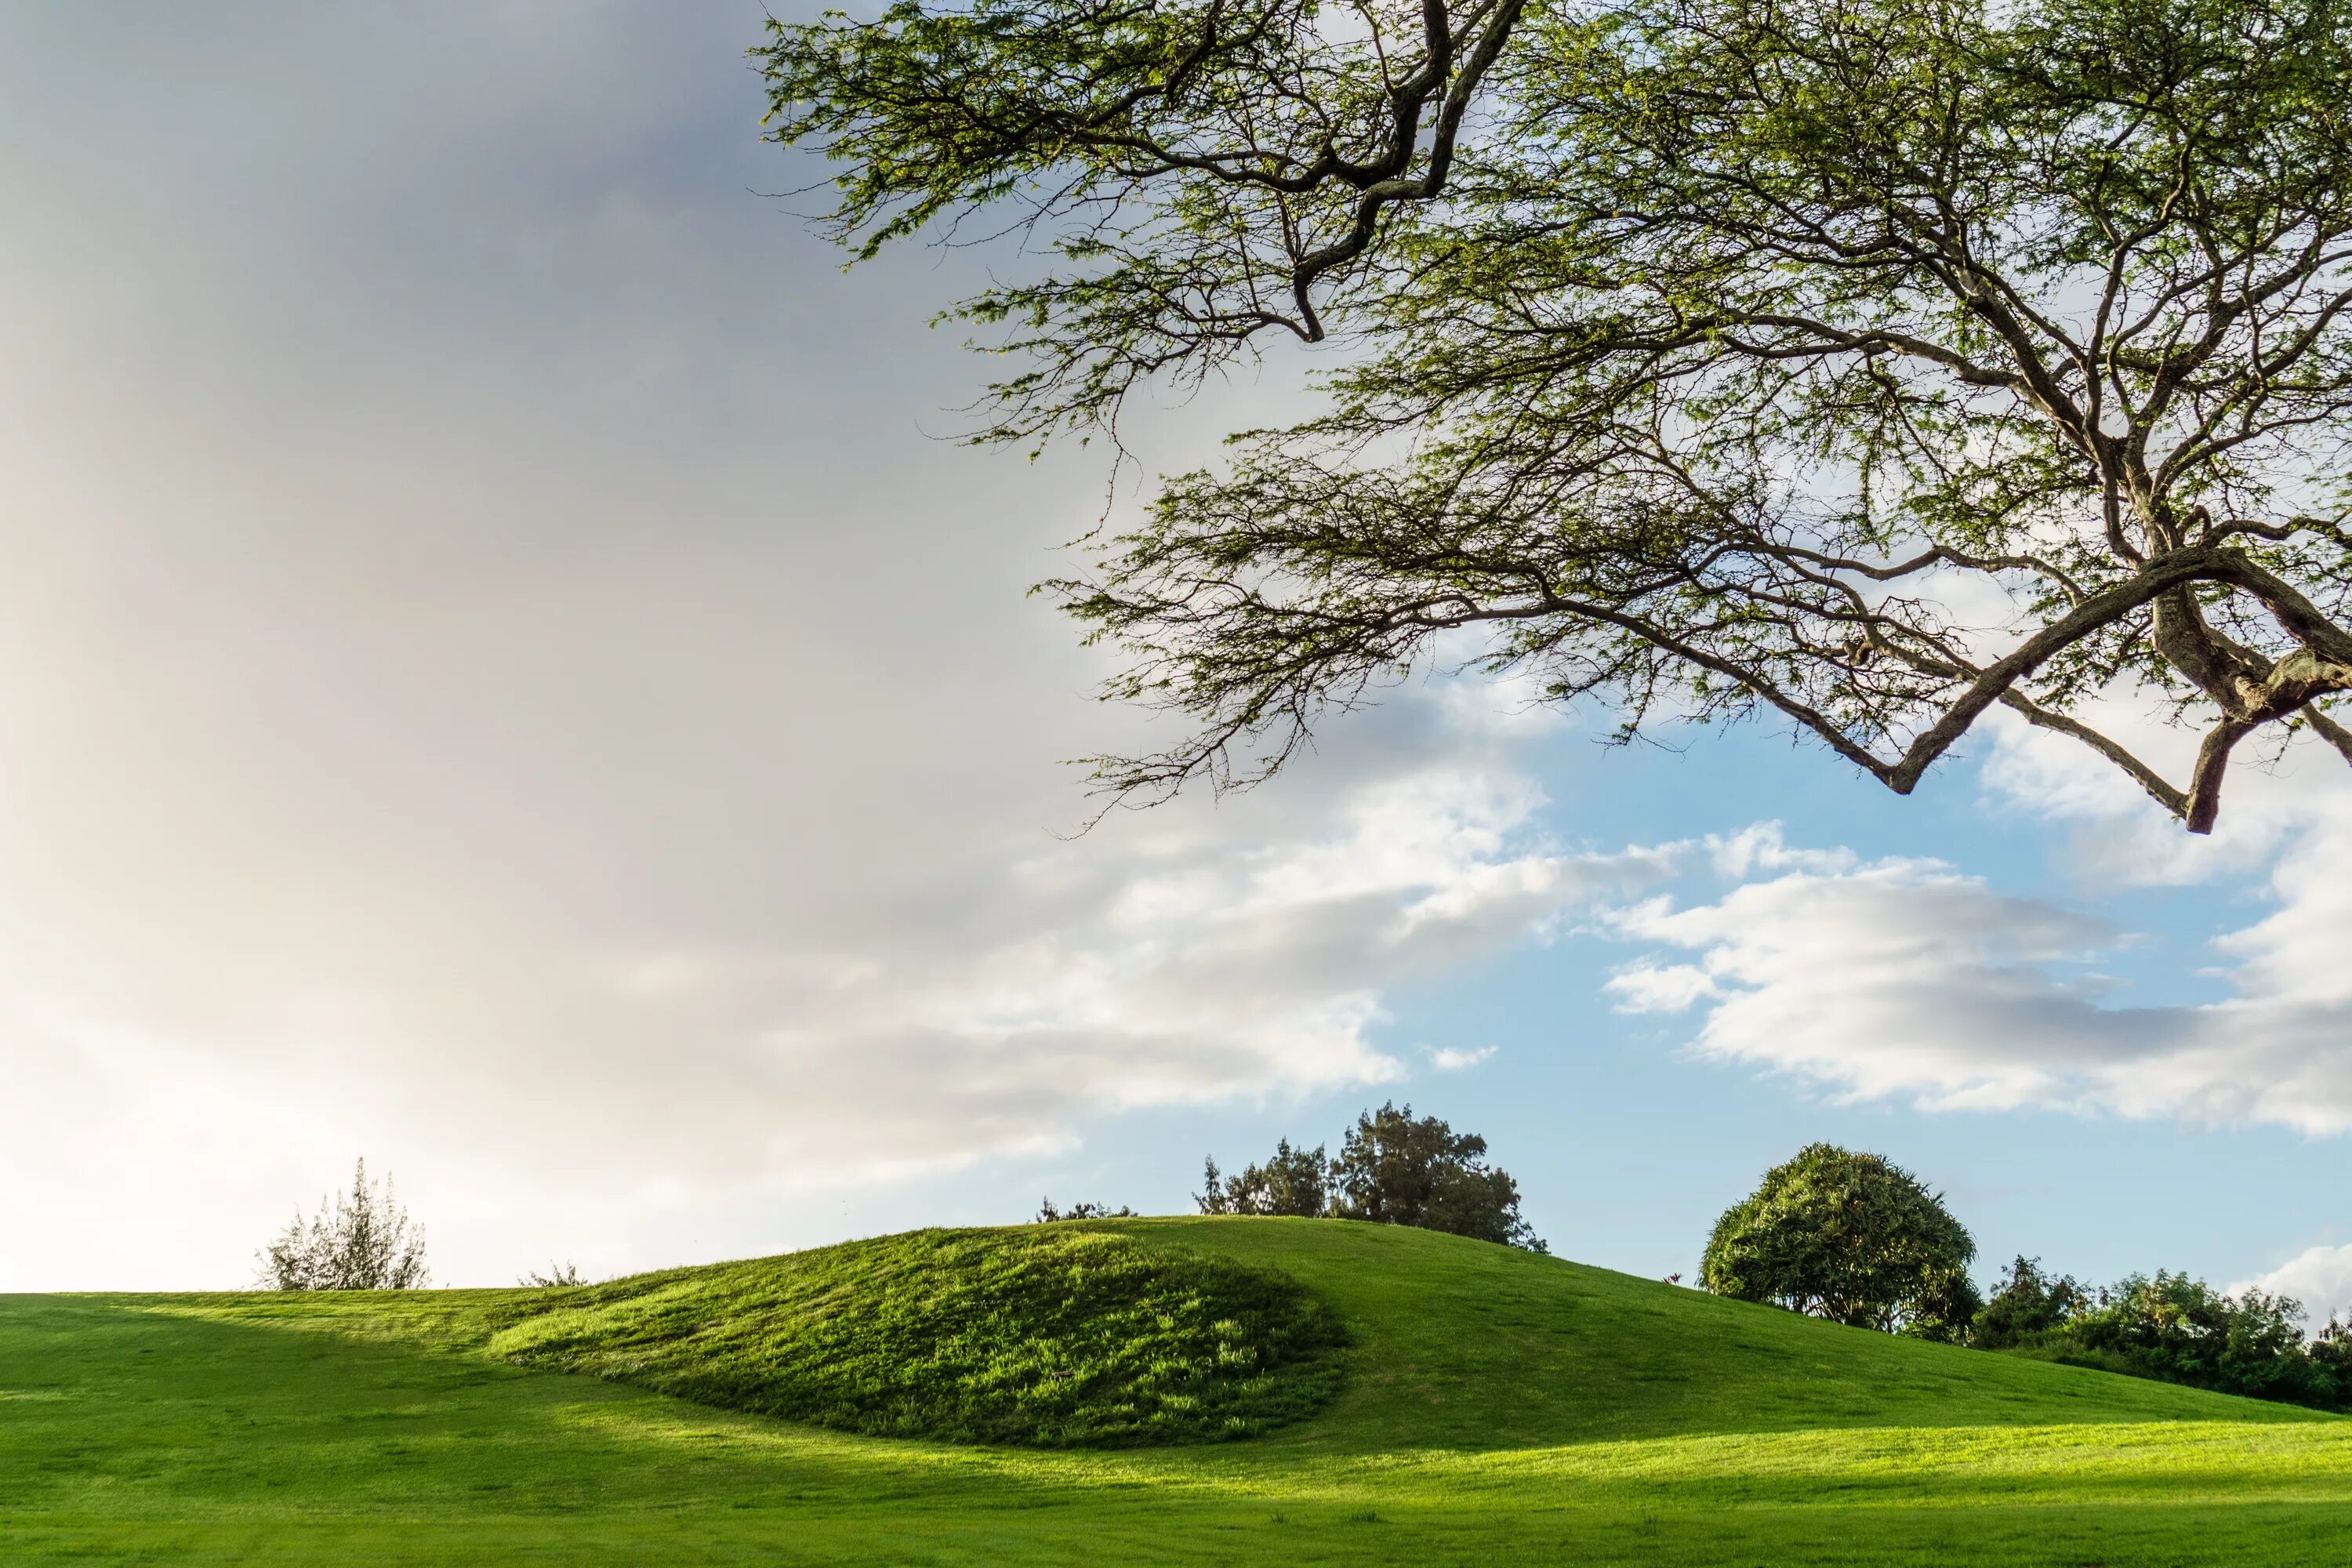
pixel 1479 1405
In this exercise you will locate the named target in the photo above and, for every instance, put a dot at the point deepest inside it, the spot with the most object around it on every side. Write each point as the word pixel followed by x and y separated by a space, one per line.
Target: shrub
pixel 558 1275
pixel 2179 1330
pixel 362 1240
pixel 2028 1306
pixel 1047 1214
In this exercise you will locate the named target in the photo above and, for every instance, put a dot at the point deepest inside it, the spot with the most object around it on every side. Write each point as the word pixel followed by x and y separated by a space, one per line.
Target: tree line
pixel 1857 1240
pixel 1392 1168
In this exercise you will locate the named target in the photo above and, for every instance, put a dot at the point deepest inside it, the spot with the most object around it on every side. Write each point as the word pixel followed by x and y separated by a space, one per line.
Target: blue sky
pixel 500 673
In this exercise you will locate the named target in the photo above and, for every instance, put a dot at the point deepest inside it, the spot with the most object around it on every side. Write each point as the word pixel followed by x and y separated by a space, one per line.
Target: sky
pixel 506 673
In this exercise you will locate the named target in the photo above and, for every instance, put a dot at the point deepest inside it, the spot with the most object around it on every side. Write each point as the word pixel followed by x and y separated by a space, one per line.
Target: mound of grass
pixel 1053 1337
pixel 1501 1409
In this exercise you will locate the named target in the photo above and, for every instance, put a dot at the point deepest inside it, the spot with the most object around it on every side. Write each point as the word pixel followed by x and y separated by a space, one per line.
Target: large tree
pixel 1871 364
pixel 1848 1236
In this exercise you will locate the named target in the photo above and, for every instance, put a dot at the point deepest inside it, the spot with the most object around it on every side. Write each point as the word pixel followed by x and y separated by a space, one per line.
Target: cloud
pixel 497 677
pixel 1178 973
pixel 1158 967
pixel 1907 978
pixel 1456 1059
pixel 2318 1277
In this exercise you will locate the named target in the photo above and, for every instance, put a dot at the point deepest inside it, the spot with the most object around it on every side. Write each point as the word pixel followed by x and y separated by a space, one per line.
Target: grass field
pixel 1499 1409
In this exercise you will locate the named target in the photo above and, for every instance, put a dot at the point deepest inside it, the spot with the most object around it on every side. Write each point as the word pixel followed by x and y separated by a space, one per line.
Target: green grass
pixel 1054 1337
pixel 1499 1409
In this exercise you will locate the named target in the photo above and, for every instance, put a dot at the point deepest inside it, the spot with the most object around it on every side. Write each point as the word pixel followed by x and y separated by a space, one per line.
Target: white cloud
pixel 1458 1058
pixel 2319 1277
pixel 1907 978
pixel 1148 968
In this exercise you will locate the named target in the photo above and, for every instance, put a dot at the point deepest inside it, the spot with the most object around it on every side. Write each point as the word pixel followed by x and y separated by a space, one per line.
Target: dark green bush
pixel 1066 1337
pixel 2174 1328
pixel 2181 1330
pixel 1854 1238
pixel 2027 1306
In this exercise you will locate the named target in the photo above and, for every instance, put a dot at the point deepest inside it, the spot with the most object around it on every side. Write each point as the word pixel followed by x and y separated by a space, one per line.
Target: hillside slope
pixel 1462 1344
pixel 1497 1408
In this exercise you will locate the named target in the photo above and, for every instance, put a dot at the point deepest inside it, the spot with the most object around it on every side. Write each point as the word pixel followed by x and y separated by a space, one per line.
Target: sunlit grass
pixel 1500 1407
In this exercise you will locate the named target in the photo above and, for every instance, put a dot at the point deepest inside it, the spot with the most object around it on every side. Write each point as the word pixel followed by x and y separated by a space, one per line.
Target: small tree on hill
pixel 1084 1208
pixel 361 1240
pixel 1293 1182
pixel 1400 1170
pixel 1393 1169
pixel 2027 1306
pixel 1851 1237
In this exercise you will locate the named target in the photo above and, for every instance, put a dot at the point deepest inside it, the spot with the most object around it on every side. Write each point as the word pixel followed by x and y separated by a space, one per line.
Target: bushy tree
pixel 1863 364
pixel 2331 1350
pixel 360 1240
pixel 1398 1169
pixel 1848 1236
pixel 2028 1306
pixel 1293 1182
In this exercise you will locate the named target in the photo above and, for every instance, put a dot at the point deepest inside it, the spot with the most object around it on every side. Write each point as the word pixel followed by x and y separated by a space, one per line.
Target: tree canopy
pixel 1292 1182
pixel 1867 363
pixel 1851 1237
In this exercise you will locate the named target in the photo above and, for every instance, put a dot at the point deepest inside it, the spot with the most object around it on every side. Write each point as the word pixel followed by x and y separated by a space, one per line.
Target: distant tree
pixel 1851 1237
pixel 557 1274
pixel 1399 1170
pixel 2181 1330
pixel 1293 1182
pixel 2331 1351
pixel 1047 1214
pixel 2027 1306
pixel 361 1240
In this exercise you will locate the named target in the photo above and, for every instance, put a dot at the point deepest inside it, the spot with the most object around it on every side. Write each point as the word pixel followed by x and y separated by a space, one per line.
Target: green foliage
pixel 1393 1169
pixel 1056 1338
pixel 2027 1306
pixel 2172 1328
pixel 1505 1409
pixel 1851 1237
pixel 1396 1169
pixel 361 1240
pixel 1293 1182
pixel 1084 1208
pixel 1713 357
pixel 2183 1330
